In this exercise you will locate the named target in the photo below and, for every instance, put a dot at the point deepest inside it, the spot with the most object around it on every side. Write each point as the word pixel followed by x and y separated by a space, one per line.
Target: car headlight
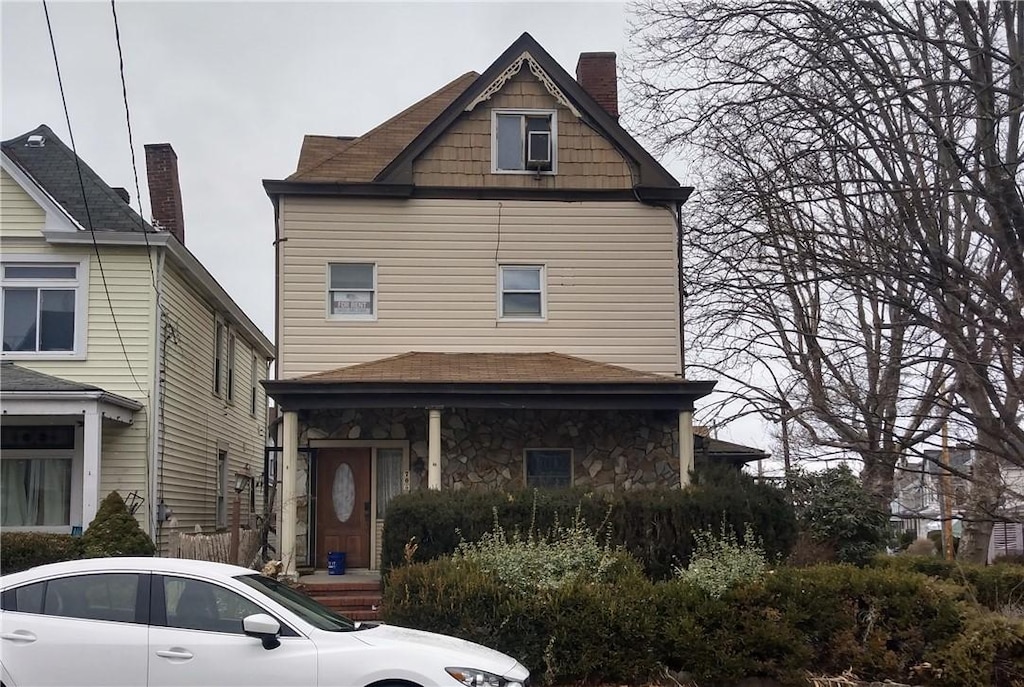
pixel 471 677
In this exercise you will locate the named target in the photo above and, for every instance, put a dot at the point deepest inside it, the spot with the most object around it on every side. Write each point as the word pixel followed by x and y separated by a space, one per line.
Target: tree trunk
pixel 981 507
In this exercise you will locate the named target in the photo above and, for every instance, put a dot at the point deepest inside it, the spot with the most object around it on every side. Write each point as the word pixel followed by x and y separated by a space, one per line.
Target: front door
pixel 343 505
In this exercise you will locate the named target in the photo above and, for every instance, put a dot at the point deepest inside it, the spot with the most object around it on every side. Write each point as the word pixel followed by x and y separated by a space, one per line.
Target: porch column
pixel 92 447
pixel 434 449
pixel 685 447
pixel 289 458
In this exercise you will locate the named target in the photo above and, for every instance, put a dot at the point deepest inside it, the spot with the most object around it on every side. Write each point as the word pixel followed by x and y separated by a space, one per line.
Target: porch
pixel 352 438
pixel 355 595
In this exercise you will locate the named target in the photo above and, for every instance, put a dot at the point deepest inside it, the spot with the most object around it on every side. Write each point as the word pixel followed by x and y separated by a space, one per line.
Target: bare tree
pixel 862 234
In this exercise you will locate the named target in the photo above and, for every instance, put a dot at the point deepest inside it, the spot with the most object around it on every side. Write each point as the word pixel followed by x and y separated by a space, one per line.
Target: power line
pixel 85 201
pixel 131 142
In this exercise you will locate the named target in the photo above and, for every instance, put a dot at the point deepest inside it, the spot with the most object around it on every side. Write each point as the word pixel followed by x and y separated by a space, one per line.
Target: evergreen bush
pixel 656 526
pixel 115 532
pixel 23 550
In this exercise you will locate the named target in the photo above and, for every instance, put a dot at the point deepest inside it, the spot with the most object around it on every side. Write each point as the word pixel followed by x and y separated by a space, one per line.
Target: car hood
pixel 464 654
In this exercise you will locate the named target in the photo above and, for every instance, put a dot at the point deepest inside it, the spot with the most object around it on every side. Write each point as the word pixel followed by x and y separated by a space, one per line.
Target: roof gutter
pixel 98 396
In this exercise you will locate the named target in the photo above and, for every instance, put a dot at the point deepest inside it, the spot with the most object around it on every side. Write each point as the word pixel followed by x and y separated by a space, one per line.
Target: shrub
pixel 115 532
pixel 721 561
pixel 23 550
pixel 656 526
pixel 994 586
pixel 834 508
pixel 880 623
pixel 989 652
pixel 566 554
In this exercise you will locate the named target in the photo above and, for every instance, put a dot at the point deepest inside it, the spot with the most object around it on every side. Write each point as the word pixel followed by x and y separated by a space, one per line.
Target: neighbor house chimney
pixel 595 72
pixel 164 189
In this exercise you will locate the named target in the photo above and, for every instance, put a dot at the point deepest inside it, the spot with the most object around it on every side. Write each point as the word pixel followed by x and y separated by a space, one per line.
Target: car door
pixel 196 638
pixel 86 630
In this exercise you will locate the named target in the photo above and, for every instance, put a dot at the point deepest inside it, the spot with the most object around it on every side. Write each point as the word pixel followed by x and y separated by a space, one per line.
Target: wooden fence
pixel 216 547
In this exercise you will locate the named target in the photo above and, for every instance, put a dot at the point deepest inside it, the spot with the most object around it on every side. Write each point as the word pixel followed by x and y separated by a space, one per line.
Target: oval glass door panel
pixel 344 492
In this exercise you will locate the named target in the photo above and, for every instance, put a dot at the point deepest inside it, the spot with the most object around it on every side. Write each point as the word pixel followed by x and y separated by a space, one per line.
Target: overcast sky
pixel 233 87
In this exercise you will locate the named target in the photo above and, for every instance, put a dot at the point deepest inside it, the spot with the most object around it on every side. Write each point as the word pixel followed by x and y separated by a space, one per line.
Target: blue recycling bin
pixel 336 563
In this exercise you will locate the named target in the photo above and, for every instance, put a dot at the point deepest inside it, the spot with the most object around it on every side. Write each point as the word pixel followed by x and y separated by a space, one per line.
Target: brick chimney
pixel 164 189
pixel 595 72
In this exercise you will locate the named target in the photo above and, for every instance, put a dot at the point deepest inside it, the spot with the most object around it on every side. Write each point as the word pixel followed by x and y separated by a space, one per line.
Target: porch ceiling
pixel 487 380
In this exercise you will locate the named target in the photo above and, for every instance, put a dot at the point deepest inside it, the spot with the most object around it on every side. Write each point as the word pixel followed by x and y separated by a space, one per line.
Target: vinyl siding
pixel 462 156
pixel 196 422
pixel 127 279
pixel 19 214
pixel 611 280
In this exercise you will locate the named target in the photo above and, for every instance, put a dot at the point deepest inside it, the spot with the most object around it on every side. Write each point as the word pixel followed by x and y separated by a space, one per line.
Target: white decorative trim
pixel 56 218
pixel 514 69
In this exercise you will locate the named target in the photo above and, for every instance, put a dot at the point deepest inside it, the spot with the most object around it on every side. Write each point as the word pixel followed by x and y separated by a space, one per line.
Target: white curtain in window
pixel 389 477
pixel 36 492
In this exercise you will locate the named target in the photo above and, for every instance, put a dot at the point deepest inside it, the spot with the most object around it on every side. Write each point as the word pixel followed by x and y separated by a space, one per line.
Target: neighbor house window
pixel 41 307
pixel 222 489
pixel 253 382
pixel 231 367
pixel 352 290
pixel 548 468
pixel 218 354
pixel 522 291
pixel 524 141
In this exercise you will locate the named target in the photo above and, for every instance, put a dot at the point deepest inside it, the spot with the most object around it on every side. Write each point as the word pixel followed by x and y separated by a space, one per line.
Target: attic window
pixel 524 141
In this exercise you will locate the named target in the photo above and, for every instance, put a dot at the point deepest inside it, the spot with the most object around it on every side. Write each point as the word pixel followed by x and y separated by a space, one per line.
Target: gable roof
pixel 53 167
pixel 380 161
pixel 487 368
pixel 651 172
pixel 362 159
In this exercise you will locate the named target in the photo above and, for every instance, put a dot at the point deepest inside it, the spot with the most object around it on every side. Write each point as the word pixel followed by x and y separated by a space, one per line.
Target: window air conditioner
pixel 538 150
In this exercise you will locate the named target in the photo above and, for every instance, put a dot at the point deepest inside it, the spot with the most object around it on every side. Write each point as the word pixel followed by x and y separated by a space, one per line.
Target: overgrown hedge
pixel 23 550
pixel 884 624
pixel 993 586
pixel 656 525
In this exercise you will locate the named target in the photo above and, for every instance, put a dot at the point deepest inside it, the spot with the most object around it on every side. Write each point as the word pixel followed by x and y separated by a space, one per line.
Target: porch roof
pixel 20 386
pixel 487 380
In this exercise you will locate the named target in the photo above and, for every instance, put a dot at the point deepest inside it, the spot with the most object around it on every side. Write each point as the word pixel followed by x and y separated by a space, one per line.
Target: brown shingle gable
pixel 360 160
pixel 486 368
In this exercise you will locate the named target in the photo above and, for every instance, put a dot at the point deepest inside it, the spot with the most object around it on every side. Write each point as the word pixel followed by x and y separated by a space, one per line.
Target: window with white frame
pixel 35 475
pixel 521 290
pixel 548 468
pixel 41 308
pixel 524 141
pixel 352 290
pixel 253 388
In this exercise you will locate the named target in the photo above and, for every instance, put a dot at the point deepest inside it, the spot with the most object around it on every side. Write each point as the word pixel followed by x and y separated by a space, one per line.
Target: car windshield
pixel 301 605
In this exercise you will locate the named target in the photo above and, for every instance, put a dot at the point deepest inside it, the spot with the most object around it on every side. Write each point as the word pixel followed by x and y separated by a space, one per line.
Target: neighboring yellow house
pixel 482 291
pixel 125 365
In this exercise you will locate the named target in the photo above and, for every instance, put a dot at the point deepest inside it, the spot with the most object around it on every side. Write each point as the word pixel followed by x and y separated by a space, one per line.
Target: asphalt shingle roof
pixel 16 378
pixel 347 159
pixel 487 368
pixel 52 166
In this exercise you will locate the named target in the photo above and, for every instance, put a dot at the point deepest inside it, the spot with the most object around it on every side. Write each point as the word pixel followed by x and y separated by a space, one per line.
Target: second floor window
pixel 218 355
pixel 524 141
pixel 352 290
pixel 522 292
pixel 231 367
pixel 40 307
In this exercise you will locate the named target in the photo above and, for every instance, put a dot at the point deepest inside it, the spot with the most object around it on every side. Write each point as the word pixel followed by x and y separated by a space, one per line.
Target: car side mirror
pixel 264 627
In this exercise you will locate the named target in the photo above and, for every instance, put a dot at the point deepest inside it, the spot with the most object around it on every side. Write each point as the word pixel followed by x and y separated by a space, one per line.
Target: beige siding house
pixel 481 292
pixel 112 374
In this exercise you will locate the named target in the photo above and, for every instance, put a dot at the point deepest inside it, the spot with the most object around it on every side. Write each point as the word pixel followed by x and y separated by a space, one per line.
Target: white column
pixel 289 459
pixel 92 448
pixel 434 449
pixel 685 447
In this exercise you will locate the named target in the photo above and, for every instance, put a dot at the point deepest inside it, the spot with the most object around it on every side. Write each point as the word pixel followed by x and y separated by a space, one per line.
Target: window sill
pixel 530 172
pixel 44 355
pixel 523 320
pixel 351 318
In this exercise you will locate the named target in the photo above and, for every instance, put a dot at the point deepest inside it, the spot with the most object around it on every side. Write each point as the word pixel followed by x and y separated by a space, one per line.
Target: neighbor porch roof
pixel 487 380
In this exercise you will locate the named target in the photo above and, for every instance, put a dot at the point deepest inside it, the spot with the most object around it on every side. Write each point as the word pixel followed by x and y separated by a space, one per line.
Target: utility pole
pixel 946 497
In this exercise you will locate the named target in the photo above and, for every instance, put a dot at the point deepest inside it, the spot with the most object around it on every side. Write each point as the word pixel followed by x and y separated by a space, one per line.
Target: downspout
pixel 682 291
pixel 156 407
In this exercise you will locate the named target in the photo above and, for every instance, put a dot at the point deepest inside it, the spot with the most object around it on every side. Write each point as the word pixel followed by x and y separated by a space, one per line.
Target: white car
pixel 168 622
